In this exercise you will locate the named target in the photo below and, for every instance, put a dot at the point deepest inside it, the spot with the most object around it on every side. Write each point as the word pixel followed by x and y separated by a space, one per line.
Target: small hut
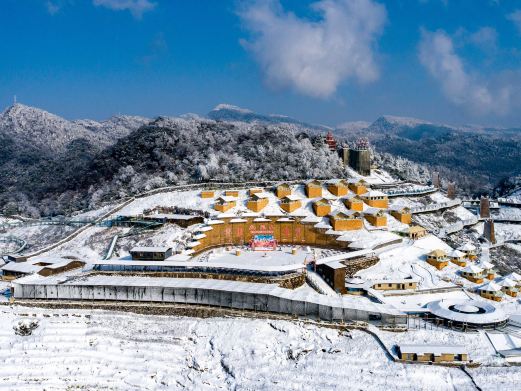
pixel 282 190
pixel 402 214
pixel 473 273
pixel 491 291
pixel 338 187
pixel 322 207
pixel 417 232
pixel 357 186
pixel 225 203
pixel 346 221
pixel 376 199
pixel 508 286
pixel 354 203
pixel 457 257
pixel 207 194
pixel 290 203
pixel 376 217
pixel 257 202
pixel 438 259
pixel 313 189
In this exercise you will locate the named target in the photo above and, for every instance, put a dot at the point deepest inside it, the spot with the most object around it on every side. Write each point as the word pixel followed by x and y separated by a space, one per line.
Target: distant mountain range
pixel 476 157
pixel 226 112
pixel 49 164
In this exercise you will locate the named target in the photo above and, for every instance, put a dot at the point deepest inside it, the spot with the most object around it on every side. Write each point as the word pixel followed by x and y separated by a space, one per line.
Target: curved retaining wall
pixel 229 294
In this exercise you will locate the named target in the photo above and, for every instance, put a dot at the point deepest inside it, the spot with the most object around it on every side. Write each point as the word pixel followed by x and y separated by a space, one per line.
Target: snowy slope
pixel 103 350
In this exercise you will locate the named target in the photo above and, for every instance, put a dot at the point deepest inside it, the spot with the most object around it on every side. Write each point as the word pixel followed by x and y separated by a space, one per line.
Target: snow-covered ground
pixel 102 350
pixel 249 257
pixel 40 236
pixel 408 260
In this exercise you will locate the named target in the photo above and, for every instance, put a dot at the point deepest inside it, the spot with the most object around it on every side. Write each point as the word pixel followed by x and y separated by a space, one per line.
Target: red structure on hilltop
pixel 330 141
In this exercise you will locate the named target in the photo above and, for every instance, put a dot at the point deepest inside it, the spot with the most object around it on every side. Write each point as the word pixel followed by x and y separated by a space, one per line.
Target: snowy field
pixel 256 258
pixel 97 350
pixel 408 260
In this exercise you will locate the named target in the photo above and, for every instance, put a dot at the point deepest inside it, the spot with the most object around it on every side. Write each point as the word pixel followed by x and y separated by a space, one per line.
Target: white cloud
pixel 136 7
pixel 485 38
pixel 436 53
pixel 315 56
pixel 52 7
pixel 515 17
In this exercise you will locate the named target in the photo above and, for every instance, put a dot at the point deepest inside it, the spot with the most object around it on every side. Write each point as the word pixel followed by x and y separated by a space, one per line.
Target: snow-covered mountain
pixel 24 124
pixel 115 127
pixel 29 125
pixel 227 112
pixel 41 153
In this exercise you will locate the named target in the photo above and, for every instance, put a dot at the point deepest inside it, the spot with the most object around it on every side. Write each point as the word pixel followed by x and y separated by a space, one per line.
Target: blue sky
pixel 325 61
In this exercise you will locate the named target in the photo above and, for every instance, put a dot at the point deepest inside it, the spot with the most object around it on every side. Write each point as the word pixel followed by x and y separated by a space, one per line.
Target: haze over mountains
pixel 50 165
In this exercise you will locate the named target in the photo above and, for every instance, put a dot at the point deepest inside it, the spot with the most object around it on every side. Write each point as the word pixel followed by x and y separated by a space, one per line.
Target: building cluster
pixel 361 202
pixel 477 271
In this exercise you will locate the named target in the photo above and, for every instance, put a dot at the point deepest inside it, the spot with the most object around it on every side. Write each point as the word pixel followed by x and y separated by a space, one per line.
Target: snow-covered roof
pixel 355 281
pixel 238 220
pixel 33 265
pixel 225 215
pixel 261 220
pixel 342 213
pixel 61 264
pixel 392 281
pixel 324 225
pixel 336 182
pixel 172 216
pixel 472 269
pixel 250 214
pixel 399 208
pixel 373 211
pixel 214 222
pixel 438 253
pixel 487 312
pixel 260 195
pixel 351 197
pixel 292 197
pixel 373 193
pixel 467 247
pixel 437 350
pixel 514 276
pixel 21 267
pixel 490 287
pixel 311 219
pixel 335 265
pixel 323 201
pixel 313 182
pixel 170 262
pixel 456 254
pixel 144 249
pixel 486 265
pixel 178 257
pixel 227 198
pixel 507 282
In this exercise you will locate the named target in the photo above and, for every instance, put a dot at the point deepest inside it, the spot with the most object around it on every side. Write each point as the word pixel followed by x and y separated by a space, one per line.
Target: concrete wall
pixel 205 296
